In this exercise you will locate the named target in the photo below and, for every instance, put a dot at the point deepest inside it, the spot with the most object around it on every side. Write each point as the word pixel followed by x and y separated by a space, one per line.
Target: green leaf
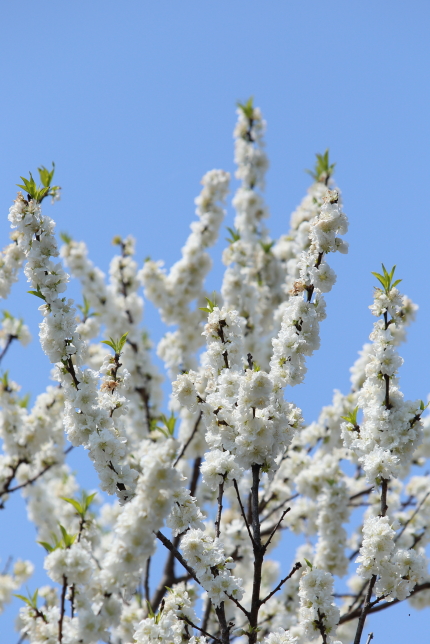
pixel 46 176
pixel 66 238
pixel 24 401
pixel 116 345
pixel 68 539
pixel 24 599
pixel 122 342
pixel 210 307
pixel 38 293
pixel 267 246
pixel 150 611
pixel 78 507
pixel 47 546
pixel 352 417
pixel 234 235
pixel 323 170
pixel 247 108
pixel 309 563
pixel 386 280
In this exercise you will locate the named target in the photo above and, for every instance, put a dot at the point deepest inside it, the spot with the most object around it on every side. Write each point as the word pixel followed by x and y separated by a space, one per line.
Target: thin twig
pixel 370 637
pixel 278 507
pixel 296 567
pixel 45 469
pixel 207 612
pixel 219 512
pixel 169 545
pixel 347 617
pixel 193 433
pixel 185 619
pixel 266 545
pixel 413 515
pixel 62 609
pixel 362 493
pixel 146 583
pixel 9 340
pixel 243 511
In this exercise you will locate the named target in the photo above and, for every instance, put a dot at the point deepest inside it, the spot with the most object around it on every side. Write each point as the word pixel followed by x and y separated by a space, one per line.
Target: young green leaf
pixel 234 235
pixel 323 170
pixel 247 108
pixel 66 238
pixel 38 293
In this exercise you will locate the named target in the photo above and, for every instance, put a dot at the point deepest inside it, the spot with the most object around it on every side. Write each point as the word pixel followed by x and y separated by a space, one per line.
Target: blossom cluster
pixel 217 489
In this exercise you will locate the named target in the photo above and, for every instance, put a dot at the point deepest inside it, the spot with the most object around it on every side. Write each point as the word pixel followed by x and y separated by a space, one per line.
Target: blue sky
pixel 135 101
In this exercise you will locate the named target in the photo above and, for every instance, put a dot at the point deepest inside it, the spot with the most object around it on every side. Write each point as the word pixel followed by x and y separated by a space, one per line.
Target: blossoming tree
pixel 217 480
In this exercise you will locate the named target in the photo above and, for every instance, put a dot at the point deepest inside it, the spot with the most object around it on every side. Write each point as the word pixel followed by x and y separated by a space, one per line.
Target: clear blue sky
pixel 135 101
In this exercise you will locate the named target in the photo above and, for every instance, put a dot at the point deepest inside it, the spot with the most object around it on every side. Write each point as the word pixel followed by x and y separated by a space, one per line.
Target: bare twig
pixel 362 493
pixel 62 609
pixel 370 638
pixel 193 433
pixel 296 567
pixel 413 515
pixel 185 619
pixel 206 613
pixel 169 545
pixel 146 583
pixel 9 341
pixel 34 478
pixel 243 510
pixel 266 545
pixel 219 512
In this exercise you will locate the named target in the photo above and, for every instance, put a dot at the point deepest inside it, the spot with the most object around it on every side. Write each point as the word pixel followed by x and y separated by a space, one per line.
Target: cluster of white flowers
pixel 119 308
pixel 88 415
pixel 244 413
pixel 242 468
pixel 11 260
pixel 13 329
pixel 318 613
pixel 253 278
pixel 173 293
pixel 398 570
pixel 207 557
pixel 391 428
pixel 10 582
pixel 171 624
pixel 299 333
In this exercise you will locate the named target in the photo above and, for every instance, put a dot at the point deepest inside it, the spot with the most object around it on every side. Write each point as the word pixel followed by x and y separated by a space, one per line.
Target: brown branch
pixel 207 612
pixel 225 631
pixel 258 555
pixel 195 475
pixel 347 617
pixel 9 341
pixel 169 545
pixel 278 507
pixel 321 626
pixel 185 619
pixel 296 567
pixel 266 545
pixel 362 493
pixel 62 610
pixel 184 447
pixel 219 512
pixel 413 515
pixel 367 602
pixel 243 511
pixel 146 583
pixel 32 480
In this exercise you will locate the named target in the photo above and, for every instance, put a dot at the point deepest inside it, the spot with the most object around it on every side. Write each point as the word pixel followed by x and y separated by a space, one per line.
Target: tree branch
pixel 296 567
pixel 184 447
pixel 243 511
